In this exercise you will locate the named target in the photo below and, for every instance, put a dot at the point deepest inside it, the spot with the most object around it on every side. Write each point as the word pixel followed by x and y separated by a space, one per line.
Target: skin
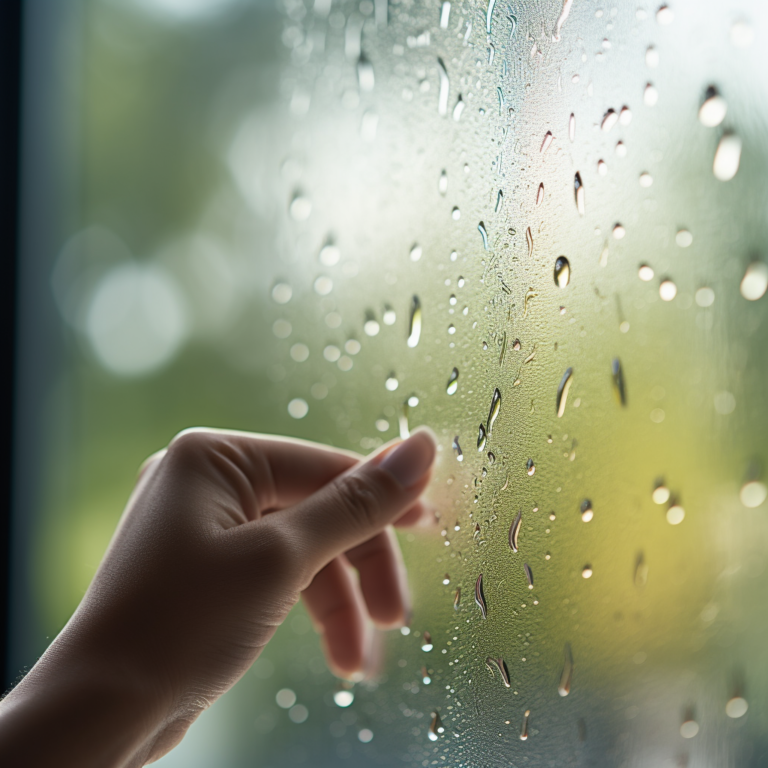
pixel 223 534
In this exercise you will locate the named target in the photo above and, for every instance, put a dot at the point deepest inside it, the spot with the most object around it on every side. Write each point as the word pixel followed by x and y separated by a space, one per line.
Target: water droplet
pixel 457 449
pixel 529 240
pixel 494 410
pixel 445 86
pixel 442 184
pixel 499 201
pixel 641 571
pixel 446 580
pixel 689 728
pixel 445 14
pixel 391 383
pixel 343 698
pixel 651 58
pixel 660 493
pixel 436 727
pixel 675 514
pixel 619 232
pixel 528 575
pixel 650 95
pixel 753 494
pixel 415 252
pixel 491 458
pixel 299 352
pixel 365 74
pixel 300 207
pixel 683 238
pixel 480 597
pixel 484 234
pixel 298 408
pixel 646 179
pixel 458 109
pixel 610 118
pixel 705 297
pixel 625 116
pixel 545 144
pixel 524 729
pixel 755 281
pixel 564 688
pixel 516 346
pixel 426 643
pixel 281 293
pixel 664 15
pixel 371 326
pixel 414 332
pixel 617 374
pixel 742 35
pixel 727 157
pixel 587 513
pixel 329 255
pixel 323 285
pixel 501 666
pixel 736 707
pixel 514 532
pixel 365 735
pixel 667 290
pixel 572 127
pixel 460 282
pixel 530 468
pixel 282 329
pixel 562 272
pixel 453 382
pixel 645 272
pixel 602 169
pixel 562 391
pixel 540 194
pixel 561 19
pixel 482 438
pixel 455 213
pixel 713 108
pixel 382 425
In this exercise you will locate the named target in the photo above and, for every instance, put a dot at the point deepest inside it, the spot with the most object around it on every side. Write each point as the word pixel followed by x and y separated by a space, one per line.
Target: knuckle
pixel 360 499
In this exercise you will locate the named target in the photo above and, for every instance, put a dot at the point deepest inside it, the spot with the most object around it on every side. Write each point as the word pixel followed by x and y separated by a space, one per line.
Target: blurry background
pixel 341 219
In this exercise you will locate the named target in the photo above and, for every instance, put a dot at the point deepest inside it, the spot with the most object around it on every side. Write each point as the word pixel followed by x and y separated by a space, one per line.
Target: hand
pixel 222 535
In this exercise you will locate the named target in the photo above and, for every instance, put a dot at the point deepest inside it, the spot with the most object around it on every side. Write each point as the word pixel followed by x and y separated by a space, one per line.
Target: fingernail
pixel 411 459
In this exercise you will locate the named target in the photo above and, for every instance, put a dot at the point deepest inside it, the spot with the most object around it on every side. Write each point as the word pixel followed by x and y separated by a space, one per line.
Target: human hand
pixel 222 535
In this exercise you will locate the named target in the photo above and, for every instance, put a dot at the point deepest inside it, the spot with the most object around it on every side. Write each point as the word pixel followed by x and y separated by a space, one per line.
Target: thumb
pixel 361 502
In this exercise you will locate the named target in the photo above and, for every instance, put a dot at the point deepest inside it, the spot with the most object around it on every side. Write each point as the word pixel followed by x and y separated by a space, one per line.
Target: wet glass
pixel 538 230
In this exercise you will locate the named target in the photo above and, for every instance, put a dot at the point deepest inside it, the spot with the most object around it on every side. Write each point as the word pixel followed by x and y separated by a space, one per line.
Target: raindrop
pixel 650 95
pixel 562 391
pixel 458 109
pixel 455 213
pixel 382 425
pixel 323 285
pixel 664 15
pixel 713 108
pixel 528 575
pixel 457 599
pixel 667 290
pixel 578 191
pixel 343 698
pixel 524 729
pixel 445 14
pixel 300 207
pixel 617 374
pixel 753 494
pixel 391 383
pixel 727 157
pixel 562 272
pixel 689 728
pixel 586 572
pixel 755 281
pixel 602 168
pixel 494 410
pixel 561 19
pixel 540 194
pixel 371 326
pixel 480 597
pixel 405 430
pixel 299 352
pixel 281 293
pixel 499 201
pixel 619 232
pixel 453 382
pixel 489 16
pixel 282 329
pixel 660 493
pixel 651 58
pixel 530 468
pixel 646 180
pixel 442 184
pixel 484 234
pixel 516 346
pixel 365 735
pixel 451 329
pixel 587 513
pixel 298 408
pixel 736 707
pixel 426 643
pixel 365 74
pixel 564 688
pixel 625 116
pixel 545 144
pixel 414 332
pixel 446 580
pixel 529 240
pixel 572 127
pixel 742 35
pixel 445 85
pixel 332 353
pixel 460 282
pixel 514 532
pixel 415 252
pixel 482 438
pixel 425 678
pixel 621 149
pixel 501 665
pixel 641 571
pixel 491 458
pixel 645 272
pixel 683 238
pixel 610 118
pixel 705 297
pixel 457 448
pixel 436 727
pixel 329 255
pixel 675 514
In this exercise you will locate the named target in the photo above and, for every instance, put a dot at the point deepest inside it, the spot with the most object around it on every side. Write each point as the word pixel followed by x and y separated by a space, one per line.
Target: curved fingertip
pixel 149 461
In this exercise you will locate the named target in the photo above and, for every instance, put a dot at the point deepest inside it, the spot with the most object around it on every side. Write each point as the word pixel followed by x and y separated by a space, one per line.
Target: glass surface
pixel 541 231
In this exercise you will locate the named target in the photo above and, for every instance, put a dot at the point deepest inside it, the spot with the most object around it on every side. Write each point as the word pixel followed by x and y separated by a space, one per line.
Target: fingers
pixel 359 504
pixel 334 603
